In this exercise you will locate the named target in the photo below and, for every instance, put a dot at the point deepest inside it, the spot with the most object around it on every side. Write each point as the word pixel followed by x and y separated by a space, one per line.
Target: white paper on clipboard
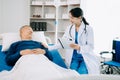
pixel 65 42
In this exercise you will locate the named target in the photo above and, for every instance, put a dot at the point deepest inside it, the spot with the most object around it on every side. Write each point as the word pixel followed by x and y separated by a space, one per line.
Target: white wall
pixel 15 13
pixel 104 17
pixel 0 14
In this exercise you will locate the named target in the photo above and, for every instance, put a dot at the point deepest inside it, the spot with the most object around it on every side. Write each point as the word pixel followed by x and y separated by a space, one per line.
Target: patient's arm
pixel 12 55
pixel 44 45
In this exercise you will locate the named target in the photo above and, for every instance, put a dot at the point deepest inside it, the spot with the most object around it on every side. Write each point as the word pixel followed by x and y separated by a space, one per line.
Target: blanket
pixel 38 67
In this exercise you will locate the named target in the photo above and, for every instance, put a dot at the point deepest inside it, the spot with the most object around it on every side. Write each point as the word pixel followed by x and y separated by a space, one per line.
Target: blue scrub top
pixel 76 56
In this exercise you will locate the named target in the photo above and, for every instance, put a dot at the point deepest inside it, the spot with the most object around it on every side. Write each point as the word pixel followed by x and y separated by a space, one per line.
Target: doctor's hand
pixel 75 46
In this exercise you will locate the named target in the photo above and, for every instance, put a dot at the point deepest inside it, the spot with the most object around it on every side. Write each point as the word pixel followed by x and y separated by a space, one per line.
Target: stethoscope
pixel 84 31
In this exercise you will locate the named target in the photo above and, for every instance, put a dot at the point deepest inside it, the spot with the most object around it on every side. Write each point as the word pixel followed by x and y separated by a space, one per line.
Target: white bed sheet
pixel 38 67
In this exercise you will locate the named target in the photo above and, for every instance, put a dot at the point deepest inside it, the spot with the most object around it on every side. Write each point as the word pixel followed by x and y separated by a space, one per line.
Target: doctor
pixel 81 57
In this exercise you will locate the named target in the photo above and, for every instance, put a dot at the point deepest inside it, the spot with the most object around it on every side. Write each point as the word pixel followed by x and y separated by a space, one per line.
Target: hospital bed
pixel 4 66
pixel 10 36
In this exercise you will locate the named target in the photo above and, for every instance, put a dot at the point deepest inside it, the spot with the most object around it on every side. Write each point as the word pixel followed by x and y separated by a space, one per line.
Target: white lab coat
pixel 92 62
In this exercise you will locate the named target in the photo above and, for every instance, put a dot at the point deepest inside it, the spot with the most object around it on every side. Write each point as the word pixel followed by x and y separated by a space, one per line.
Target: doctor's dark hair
pixel 77 12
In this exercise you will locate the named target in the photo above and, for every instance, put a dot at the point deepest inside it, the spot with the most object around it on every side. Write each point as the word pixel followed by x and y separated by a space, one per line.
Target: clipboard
pixel 65 43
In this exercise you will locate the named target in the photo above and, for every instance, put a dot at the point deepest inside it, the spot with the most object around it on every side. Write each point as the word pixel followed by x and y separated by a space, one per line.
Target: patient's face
pixel 26 33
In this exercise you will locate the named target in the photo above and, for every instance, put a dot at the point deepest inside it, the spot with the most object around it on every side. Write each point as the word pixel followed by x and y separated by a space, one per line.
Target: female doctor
pixel 81 57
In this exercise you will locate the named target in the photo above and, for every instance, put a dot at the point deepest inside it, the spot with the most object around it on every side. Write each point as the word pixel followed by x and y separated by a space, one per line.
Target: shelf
pixel 64 5
pixel 61 31
pixel 35 5
pixel 64 19
pixel 75 4
pixel 50 31
pixel 40 5
pixel 37 18
pixel 49 5
pixel 55 13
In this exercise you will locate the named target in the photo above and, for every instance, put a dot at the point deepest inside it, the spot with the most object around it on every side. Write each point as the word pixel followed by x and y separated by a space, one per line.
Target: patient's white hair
pixel 23 27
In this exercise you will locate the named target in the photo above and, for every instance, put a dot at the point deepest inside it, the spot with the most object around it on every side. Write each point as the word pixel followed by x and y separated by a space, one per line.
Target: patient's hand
pixel 26 51
pixel 39 51
pixel 32 51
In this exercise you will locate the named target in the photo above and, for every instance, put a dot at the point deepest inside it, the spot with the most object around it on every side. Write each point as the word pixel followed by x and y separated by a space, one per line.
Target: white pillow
pixel 9 38
pixel 39 36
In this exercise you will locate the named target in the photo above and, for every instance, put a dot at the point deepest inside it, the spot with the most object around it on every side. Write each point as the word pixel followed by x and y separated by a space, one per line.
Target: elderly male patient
pixel 25 47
